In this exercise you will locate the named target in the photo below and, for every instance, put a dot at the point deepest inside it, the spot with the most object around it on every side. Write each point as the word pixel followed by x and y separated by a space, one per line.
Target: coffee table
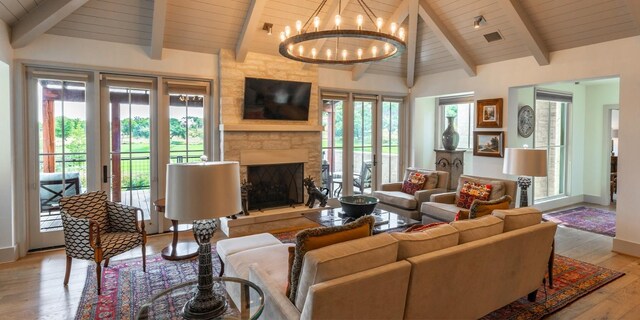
pixel 245 300
pixel 386 221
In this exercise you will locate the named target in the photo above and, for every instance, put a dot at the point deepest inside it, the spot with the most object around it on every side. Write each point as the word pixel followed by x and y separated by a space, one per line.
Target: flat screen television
pixel 276 99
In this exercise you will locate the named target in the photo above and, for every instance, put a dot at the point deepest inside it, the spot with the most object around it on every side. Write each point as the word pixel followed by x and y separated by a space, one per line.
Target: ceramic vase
pixel 450 136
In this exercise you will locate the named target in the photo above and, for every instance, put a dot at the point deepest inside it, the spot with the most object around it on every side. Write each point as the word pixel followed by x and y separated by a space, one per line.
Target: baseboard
pixel 596 200
pixel 8 254
pixel 559 203
pixel 626 247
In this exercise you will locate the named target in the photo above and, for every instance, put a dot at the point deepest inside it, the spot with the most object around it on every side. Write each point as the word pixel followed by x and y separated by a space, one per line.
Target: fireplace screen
pixel 275 185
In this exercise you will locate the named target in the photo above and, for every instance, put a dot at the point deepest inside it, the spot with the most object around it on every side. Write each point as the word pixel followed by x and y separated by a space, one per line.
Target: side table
pixel 451 161
pixel 177 250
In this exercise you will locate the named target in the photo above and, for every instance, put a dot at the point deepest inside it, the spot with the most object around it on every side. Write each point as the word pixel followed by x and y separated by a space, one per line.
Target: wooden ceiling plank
pixel 157 29
pixel 326 22
pixel 412 38
pixel 398 17
pixel 634 9
pixel 249 28
pixel 41 19
pixel 446 38
pixel 521 22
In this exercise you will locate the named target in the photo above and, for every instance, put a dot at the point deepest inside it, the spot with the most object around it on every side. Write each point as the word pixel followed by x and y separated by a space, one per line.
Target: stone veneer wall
pixel 258 65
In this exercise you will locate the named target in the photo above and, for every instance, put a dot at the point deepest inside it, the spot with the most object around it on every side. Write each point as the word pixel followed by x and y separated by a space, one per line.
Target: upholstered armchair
pixel 97 229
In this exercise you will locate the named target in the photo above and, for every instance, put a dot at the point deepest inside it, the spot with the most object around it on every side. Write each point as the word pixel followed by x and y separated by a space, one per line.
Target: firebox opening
pixel 275 185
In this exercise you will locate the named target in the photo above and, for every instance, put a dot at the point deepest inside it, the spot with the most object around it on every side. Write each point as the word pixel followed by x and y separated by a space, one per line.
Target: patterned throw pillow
pixel 471 191
pixel 415 182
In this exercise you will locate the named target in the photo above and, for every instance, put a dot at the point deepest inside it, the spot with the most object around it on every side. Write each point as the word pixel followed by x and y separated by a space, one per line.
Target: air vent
pixel 493 36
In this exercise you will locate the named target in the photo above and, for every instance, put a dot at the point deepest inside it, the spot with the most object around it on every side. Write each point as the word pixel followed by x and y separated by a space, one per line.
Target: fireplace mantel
pixel 265 157
pixel 259 127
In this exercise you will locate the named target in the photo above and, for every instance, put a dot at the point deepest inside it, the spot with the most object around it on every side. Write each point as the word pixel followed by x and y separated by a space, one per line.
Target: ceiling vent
pixel 493 36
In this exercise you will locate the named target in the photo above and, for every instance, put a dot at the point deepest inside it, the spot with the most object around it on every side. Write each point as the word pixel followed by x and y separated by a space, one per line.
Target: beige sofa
pixel 392 199
pixel 461 270
pixel 442 207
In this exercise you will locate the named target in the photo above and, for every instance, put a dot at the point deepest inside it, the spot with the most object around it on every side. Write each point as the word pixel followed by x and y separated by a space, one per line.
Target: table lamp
pixel 525 163
pixel 202 192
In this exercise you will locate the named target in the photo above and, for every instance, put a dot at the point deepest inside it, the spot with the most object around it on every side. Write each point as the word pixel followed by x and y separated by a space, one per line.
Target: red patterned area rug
pixel 126 287
pixel 588 219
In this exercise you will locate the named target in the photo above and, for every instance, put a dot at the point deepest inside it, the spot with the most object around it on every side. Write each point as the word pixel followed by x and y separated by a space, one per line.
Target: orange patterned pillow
pixel 471 191
pixel 415 182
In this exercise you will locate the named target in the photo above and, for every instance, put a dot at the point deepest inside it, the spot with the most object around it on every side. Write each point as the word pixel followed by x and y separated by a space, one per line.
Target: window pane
pixel 462 123
pixel 186 127
pixel 390 141
pixel 331 143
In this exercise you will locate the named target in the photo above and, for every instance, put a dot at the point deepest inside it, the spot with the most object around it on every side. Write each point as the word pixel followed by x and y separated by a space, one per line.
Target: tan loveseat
pixel 442 207
pixel 392 199
pixel 461 270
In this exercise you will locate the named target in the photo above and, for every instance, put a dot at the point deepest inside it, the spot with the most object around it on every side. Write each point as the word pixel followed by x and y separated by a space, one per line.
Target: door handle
pixel 105 174
pixel 375 162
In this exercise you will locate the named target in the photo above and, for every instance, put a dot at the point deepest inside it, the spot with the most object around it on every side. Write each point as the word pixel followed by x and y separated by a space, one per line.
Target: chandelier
pixel 384 45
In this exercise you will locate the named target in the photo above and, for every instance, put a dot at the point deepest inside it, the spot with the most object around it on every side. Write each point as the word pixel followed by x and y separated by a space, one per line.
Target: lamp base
pixel 524 183
pixel 206 303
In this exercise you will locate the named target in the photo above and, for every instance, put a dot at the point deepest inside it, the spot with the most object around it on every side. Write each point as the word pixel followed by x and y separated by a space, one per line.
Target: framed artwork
pixel 488 143
pixel 489 113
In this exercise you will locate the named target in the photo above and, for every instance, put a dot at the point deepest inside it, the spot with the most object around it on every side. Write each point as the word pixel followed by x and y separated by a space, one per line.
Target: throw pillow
pixel 462 215
pixel 471 191
pixel 422 227
pixel 414 183
pixel 315 238
pixel 481 208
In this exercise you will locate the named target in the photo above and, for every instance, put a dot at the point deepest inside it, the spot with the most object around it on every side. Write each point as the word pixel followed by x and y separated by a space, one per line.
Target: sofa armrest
pixel 276 304
pixel 447 197
pixel 394 186
pixel 425 195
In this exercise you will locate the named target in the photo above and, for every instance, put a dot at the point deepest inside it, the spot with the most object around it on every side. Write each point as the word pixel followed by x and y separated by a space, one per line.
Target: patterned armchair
pixel 97 229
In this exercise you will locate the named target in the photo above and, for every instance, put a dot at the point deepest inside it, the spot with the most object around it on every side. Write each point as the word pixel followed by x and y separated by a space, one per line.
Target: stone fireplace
pixel 275 185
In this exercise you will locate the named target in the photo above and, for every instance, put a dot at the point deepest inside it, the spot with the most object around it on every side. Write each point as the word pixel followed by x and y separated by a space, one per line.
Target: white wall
pixel 424 135
pixel 7 248
pixel 369 83
pixel 609 59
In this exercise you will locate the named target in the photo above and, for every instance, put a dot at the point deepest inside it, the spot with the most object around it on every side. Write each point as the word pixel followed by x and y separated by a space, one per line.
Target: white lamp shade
pixel 203 190
pixel 525 162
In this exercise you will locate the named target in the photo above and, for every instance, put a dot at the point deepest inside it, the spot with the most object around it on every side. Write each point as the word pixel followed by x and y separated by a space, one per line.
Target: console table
pixel 451 161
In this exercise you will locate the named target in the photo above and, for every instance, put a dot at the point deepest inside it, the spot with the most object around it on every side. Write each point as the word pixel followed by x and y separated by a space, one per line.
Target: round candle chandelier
pixel 299 44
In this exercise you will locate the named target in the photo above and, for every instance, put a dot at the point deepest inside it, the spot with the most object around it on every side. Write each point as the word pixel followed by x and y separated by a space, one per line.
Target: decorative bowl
pixel 358 206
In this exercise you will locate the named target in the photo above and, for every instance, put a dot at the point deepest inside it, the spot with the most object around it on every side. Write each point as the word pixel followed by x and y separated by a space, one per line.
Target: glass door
pixel 332 143
pixel 130 131
pixel 364 148
pixel 58 110
pixel 390 156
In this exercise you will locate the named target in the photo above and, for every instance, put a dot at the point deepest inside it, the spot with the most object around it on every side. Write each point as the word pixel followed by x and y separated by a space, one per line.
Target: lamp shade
pixel 205 190
pixel 525 162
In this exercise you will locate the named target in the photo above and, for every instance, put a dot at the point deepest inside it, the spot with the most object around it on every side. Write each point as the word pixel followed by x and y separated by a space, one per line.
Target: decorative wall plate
pixel 526 121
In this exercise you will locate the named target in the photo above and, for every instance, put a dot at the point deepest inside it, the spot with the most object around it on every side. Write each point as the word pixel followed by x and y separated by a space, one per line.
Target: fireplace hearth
pixel 275 185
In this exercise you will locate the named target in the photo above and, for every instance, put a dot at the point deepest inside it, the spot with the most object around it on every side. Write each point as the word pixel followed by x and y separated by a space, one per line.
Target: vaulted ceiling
pixel 443 34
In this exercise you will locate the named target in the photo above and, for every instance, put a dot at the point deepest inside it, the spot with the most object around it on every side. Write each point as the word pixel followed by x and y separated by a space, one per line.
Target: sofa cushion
pixel 475 229
pixel 315 238
pixel 414 183
pixel 481 208
pixel 343 259
pixel 518 218
pixel 397 199
pixel 272 260
pixel 231 246
pixel 440 211
pixel 425 241
pixel 471 191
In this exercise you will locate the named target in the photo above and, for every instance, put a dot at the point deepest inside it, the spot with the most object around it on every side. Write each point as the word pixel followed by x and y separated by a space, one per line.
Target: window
pixel 332 138
pixel 390 140
pixel 550 134
pixel 187 101
pixel 459 107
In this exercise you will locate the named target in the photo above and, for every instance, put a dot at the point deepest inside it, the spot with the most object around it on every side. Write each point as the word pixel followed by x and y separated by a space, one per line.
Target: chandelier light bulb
pixel 287 31
pixel 344 54
pixel 401 33
pixel 313 53
pixel 394 26
pixel 359 53
pixel 359 20
pixel 328 54
pixel 299 26
pixel 379 23
pixel 316 23
pixel 387 47
pixel 374 51
pixel 291 47
pixel 282 36
pixel 338 20
pixel 301 50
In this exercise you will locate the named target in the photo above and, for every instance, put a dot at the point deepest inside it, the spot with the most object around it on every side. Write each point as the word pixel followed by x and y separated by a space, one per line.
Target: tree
pixel 177 129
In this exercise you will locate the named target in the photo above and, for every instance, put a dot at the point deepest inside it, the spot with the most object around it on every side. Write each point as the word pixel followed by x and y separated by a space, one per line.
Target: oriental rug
pixel 126 287
pixel 587 219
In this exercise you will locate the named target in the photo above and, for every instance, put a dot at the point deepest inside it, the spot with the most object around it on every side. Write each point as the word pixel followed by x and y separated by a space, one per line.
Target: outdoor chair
pixel 97 229
pixel 361 181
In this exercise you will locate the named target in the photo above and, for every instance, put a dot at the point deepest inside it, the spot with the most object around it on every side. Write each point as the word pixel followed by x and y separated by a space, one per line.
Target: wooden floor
pixel 31 288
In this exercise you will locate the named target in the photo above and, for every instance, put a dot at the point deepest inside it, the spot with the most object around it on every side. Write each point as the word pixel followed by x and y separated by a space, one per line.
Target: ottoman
pixel 228 247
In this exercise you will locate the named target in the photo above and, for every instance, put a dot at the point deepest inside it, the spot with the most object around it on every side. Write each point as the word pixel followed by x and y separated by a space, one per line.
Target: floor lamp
pixel 202 192
pixel 525 163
